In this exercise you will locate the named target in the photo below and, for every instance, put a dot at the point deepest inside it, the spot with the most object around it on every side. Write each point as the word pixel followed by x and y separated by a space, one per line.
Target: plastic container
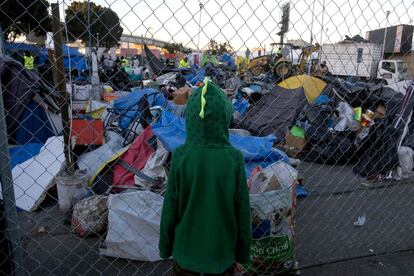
pixel 71 188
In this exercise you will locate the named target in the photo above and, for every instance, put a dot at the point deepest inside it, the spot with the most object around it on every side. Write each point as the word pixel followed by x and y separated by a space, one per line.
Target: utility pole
pixel 199 25
pixel 313 19
pixel 60 84
pixel 385 34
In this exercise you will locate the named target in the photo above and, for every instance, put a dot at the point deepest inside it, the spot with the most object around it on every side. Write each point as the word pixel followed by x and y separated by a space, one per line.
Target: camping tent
pixel 275 112
pixel 311 85
pixel 24 95
pixel 73 59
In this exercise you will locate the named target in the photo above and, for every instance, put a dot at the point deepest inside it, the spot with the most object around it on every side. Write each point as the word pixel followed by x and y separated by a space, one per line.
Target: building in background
pixel 398 44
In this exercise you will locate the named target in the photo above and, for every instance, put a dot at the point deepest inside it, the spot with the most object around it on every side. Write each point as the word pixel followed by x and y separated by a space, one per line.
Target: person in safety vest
pixel 124 62
pixel 28 61
pixel 184 63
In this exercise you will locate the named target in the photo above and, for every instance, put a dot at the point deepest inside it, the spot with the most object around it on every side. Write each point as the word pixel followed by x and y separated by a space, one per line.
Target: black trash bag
pixel 326 146
pixel 379 151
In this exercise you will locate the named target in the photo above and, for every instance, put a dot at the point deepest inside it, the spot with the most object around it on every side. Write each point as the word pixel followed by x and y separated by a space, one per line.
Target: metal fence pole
pixel 60 84
pixel 6 179
pixel 1 42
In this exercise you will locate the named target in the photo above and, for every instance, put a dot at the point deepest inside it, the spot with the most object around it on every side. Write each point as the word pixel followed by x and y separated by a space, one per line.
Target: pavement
pixel 327 241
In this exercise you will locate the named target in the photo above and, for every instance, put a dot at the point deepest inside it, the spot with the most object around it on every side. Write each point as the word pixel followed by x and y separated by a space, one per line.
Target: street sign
pixel 359 57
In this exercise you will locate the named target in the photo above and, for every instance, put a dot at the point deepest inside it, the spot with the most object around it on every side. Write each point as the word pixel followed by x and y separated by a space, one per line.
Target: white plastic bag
pixel 133 226
pixel 345 118
pixel 406 158
pixel 277 176
pixel 93 161
pixel 154 166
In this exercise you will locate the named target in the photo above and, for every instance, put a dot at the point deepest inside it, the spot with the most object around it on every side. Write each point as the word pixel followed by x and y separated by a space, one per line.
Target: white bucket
pixel 71 188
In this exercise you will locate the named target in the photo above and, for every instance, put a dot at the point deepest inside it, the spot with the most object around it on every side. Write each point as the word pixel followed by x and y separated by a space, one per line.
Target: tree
pixel 19 17
pixel 103 21
pixel 215 48
pixel 173 48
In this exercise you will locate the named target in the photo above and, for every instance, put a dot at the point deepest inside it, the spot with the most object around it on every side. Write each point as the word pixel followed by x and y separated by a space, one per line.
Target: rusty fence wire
pixel 93 103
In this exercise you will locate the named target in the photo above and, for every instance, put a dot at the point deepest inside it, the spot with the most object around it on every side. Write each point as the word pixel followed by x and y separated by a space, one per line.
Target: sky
pixel 254 23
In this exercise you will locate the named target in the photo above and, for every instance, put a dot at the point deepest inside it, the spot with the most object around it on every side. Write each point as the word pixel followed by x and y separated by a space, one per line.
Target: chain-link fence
pixel 97 95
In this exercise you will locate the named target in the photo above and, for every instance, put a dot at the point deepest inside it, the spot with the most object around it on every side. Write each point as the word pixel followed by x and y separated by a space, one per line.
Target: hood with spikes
pixel 212 128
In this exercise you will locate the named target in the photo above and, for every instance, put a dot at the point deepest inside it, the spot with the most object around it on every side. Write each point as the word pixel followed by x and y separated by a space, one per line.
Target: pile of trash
pixel 123 148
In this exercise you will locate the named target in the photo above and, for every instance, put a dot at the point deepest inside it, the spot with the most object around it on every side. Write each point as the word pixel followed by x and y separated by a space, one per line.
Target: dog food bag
pixel 273 224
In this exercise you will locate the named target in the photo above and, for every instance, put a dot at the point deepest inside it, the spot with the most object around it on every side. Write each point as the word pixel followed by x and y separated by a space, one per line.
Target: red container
pixel 87 132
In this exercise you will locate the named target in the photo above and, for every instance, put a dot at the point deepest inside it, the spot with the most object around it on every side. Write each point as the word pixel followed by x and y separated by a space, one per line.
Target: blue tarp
pixel 19 154
pixel 128 106
pixel 34 125
pixel 257 151
pixel 72 56
pixel 73 59
pixel 228 61
pixel 195 75
pixel 13 47
pixel 240 105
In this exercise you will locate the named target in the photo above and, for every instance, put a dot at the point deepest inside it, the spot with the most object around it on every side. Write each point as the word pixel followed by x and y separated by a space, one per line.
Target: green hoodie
pixel 205 222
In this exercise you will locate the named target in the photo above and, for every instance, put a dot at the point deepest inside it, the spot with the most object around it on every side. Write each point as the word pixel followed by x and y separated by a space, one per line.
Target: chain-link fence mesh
pixel 96 96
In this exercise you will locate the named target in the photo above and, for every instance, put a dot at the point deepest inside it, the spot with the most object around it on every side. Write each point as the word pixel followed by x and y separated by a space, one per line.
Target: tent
pixel 275 112
pixel 73 59
pixel 156 65
pixel 311 85
pixel 25 95
pixel 23 47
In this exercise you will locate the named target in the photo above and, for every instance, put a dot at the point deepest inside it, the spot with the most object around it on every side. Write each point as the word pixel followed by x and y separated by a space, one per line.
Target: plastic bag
pixel 273 225
pixel 133 226
pixel 90 215
pixel 406 158
pixel 154 166
pixel 94 160
pixel 346 118
pixel 277 176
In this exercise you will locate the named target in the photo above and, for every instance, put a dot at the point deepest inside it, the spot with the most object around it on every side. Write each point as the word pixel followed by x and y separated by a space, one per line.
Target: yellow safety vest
pixel 28 62
pixel 124 62
pixel 183 64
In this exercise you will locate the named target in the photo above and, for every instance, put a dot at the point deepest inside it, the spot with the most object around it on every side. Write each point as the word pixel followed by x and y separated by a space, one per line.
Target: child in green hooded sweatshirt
pixel 205 222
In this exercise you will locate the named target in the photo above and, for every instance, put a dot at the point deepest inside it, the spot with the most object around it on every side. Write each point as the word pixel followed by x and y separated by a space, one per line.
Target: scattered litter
pixel 361 221
pixel 41 229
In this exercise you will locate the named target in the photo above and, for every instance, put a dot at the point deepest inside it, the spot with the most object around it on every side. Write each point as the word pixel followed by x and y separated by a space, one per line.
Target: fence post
pixel 60 85
pixel 6 179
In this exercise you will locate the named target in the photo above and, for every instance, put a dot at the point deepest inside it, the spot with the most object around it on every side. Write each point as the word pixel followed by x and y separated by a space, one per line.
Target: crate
pixel 87 132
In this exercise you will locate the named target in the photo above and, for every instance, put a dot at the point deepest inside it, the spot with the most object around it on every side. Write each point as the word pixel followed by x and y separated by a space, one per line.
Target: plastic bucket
pixel 71 188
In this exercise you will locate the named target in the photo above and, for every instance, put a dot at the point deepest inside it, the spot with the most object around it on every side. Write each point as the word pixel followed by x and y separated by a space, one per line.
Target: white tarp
pixel 133 226
pixel 32 178
pixel 154 166
pixel 95 160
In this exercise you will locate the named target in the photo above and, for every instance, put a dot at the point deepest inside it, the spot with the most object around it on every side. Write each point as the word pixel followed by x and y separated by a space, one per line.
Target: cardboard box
pixel 294 145
pixel 181 95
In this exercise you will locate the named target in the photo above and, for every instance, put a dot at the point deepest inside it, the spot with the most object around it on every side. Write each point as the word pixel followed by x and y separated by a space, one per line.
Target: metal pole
pixel 1 42
pixel 385 34
pixel 6 179
pixel 313 19
pixel 60 84
pixel 320 41
pixel 90 54
pixel 323 17
pixel 199 26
